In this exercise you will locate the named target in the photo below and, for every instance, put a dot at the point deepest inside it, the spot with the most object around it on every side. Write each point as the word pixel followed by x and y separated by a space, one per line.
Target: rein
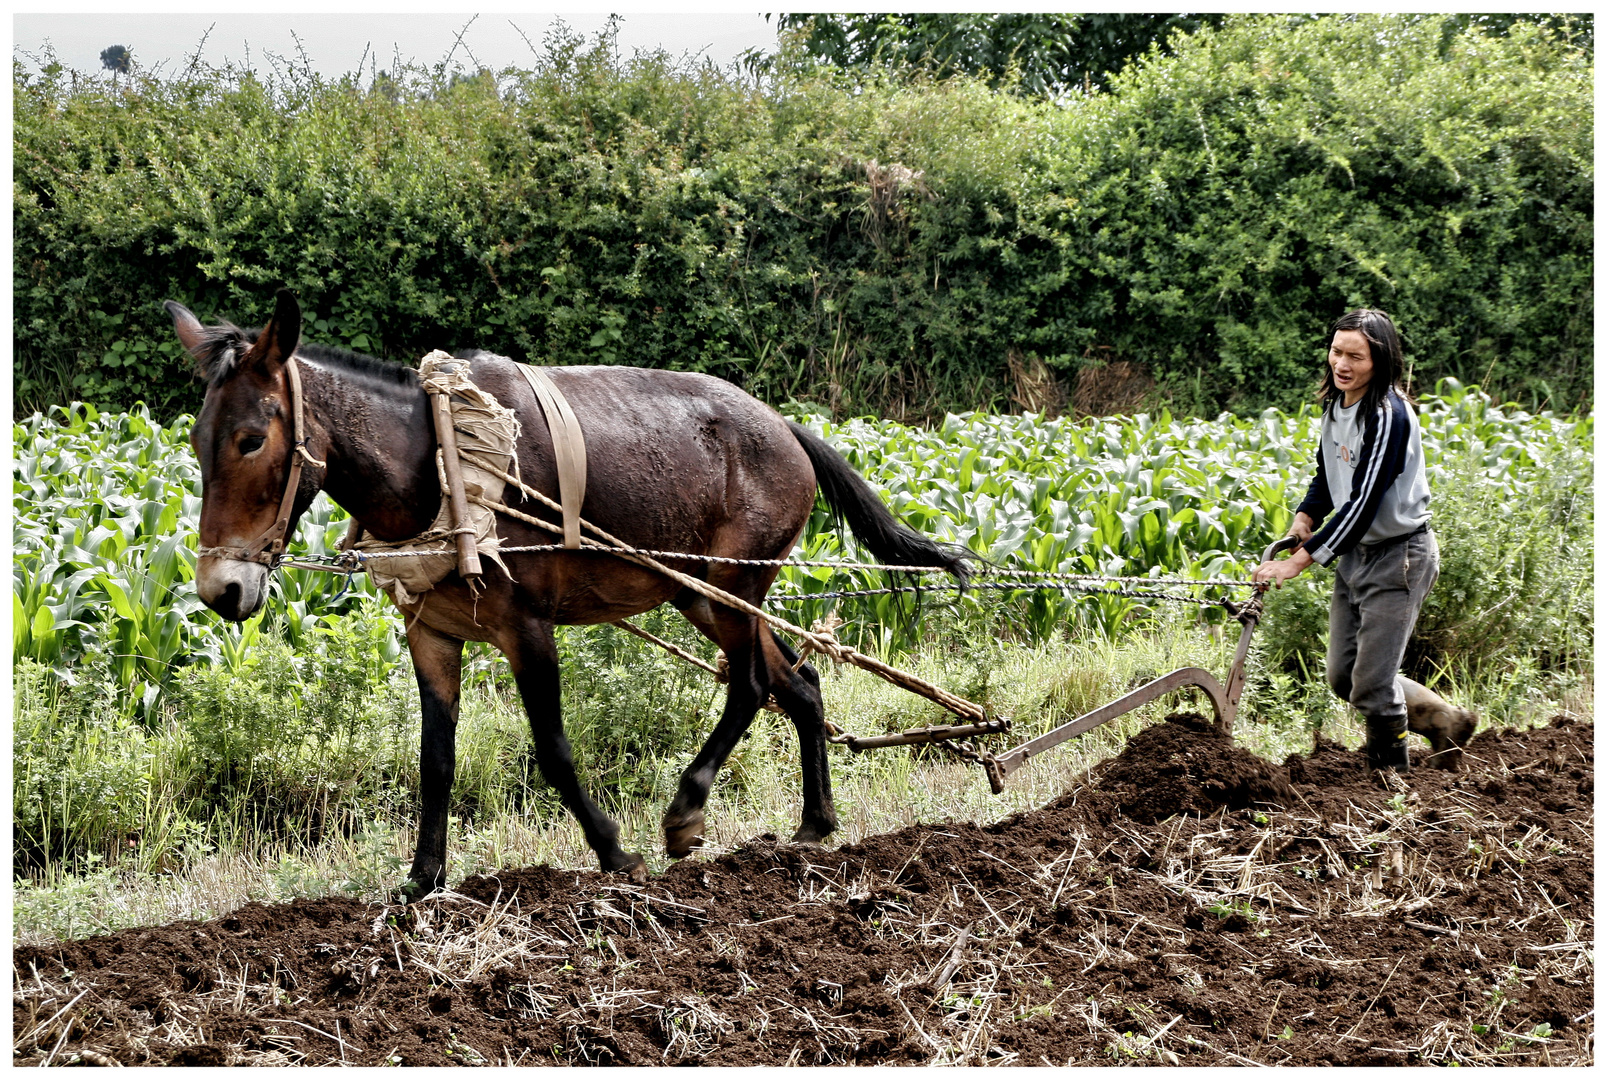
pixel 269 548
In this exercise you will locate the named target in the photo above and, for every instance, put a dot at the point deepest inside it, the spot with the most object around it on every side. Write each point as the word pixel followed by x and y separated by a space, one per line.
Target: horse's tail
pixel 852 500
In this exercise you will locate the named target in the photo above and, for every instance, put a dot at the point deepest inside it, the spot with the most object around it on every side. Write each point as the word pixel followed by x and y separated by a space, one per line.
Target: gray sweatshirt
pixel 1369 466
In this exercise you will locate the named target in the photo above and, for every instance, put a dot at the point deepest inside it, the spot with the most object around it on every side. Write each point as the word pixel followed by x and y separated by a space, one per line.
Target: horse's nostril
pixel 227 603
pixel 232 590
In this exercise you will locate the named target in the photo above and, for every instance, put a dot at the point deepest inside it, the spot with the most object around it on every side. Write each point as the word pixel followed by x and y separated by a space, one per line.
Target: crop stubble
pixel 1187 904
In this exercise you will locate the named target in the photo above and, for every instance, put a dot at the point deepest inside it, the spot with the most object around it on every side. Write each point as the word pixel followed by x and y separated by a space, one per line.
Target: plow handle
pixel 1249 617
pixel 1287 543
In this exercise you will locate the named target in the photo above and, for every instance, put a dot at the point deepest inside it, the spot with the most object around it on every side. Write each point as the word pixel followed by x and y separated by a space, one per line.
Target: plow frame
pixel 1224 699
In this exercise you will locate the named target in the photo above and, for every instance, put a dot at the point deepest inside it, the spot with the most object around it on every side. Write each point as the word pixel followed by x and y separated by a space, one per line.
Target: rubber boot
pixel 1386 744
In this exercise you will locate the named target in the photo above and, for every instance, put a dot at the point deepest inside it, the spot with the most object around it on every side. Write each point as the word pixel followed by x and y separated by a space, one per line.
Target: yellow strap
pixel 569 449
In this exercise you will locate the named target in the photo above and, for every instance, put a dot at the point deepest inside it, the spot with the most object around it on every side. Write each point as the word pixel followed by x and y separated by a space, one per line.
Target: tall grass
pixel 215 858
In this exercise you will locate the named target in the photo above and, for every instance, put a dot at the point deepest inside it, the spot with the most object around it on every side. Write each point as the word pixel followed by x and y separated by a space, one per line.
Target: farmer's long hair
pixel 1384 344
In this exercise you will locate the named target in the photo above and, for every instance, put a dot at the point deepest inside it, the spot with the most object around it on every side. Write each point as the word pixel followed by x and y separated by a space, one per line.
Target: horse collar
pixel 269 548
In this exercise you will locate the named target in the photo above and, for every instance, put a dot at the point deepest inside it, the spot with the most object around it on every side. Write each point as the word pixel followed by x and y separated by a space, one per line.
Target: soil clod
pixel 1186 766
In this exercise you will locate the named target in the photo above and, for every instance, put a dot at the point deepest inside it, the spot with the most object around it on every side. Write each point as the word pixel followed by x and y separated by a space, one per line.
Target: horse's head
pixel 245 442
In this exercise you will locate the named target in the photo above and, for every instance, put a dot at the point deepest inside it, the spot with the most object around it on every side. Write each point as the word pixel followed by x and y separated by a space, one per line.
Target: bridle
pixel 269 548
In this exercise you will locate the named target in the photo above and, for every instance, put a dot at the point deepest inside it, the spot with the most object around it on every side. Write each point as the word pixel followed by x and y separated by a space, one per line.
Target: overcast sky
pixel 335 43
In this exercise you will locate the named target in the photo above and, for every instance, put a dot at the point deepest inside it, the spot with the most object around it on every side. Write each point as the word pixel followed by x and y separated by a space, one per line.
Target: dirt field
pixel 1188 904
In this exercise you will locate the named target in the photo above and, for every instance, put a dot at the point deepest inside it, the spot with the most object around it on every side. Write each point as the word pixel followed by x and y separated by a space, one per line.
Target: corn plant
pixel 1135 496
pixel 106 509
pixel 105 512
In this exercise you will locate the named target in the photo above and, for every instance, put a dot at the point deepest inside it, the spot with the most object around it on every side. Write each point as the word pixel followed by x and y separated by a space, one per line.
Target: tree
pixel 1049 53
pixel 117 58
pixel 1053 53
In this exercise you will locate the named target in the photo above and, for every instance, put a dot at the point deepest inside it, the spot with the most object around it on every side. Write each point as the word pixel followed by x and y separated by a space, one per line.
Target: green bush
pixel 636 714
pixel 1293 636
pixel 286 742
pixel 1514 512
pixel 1269 178
pixel 82 770
pixel 289 732
pixel 877 245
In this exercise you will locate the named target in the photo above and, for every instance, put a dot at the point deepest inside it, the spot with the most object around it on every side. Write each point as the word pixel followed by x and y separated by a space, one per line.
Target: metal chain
pixel 962 749
pixel 986 571
pixel 1016 586
pixel 1043 578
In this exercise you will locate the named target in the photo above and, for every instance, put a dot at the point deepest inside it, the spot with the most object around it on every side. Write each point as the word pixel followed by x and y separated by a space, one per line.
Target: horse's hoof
pixel 683 833
pixel 630 865
pixel 812 834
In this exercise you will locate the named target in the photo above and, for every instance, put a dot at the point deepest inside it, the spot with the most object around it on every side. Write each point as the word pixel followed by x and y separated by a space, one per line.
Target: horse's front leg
pixel 438 665
pixel 535 669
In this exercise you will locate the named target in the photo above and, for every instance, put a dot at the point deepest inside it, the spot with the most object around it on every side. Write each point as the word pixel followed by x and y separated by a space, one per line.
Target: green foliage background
pixel 869 243
pixel 1029 52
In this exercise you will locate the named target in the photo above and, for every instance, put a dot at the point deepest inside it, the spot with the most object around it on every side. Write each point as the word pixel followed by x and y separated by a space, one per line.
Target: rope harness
pixel 465 500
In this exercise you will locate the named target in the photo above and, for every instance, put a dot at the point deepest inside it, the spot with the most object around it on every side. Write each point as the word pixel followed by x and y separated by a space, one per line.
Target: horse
pixel 675 462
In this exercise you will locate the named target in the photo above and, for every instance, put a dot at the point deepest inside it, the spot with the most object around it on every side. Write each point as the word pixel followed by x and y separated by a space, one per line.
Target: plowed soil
pixel 1186 904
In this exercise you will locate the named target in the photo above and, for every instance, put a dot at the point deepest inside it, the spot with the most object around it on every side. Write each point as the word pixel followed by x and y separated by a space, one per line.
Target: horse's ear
pixel 191 333
pixel 278 340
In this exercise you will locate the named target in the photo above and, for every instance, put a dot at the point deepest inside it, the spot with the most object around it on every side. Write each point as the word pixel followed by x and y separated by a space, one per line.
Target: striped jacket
pixel 1369 466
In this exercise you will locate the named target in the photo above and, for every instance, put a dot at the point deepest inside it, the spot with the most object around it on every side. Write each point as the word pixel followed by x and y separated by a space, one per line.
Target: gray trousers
pixel 1378 592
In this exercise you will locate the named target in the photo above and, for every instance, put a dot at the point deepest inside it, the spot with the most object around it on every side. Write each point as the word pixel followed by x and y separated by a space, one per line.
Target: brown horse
pixel 675 462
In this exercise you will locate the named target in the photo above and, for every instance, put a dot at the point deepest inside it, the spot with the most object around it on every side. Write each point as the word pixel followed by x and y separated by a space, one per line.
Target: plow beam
pixel 927 735
pixel 1011 760
pixel 1224 699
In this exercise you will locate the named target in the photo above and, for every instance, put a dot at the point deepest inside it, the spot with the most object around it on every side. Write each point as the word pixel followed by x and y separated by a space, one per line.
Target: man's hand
pixel 1278 571
pixel 1302 528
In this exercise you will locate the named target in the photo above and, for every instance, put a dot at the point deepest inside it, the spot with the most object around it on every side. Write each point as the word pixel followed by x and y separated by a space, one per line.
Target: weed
pixel 375 865
pixel 1228 909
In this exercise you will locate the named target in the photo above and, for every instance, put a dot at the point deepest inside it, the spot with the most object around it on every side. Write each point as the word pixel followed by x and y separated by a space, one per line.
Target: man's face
pixel 1351 361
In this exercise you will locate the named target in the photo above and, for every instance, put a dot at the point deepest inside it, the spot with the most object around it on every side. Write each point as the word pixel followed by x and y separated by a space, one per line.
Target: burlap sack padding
pixel 482 425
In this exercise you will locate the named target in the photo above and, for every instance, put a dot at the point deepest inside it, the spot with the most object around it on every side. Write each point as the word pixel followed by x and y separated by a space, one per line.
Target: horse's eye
pixel 251 444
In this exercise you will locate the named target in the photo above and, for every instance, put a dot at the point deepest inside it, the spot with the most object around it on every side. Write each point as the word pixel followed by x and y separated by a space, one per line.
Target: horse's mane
pixel 356 363
pixel 221 347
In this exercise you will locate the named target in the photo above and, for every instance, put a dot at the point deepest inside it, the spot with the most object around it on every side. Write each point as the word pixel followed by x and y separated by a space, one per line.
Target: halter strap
pixel 269 548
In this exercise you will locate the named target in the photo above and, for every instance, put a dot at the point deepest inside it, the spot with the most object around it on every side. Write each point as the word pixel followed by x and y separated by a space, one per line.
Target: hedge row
pixel 884 247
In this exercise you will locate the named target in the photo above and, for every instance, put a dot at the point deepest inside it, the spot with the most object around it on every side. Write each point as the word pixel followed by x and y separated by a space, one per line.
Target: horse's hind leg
pixel 535 670
pixel 760 664
pixel 798 692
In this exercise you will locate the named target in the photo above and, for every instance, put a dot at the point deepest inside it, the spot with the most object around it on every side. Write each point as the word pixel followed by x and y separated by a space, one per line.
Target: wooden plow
pixel 1224 700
